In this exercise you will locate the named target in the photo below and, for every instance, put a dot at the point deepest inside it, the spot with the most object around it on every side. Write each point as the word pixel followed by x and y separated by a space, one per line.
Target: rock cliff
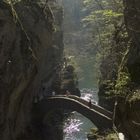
pixel 29 59
pixel 127 114
pixel 128 110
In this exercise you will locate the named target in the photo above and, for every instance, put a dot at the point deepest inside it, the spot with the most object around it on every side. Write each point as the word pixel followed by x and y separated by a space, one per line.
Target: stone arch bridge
pixel 101 117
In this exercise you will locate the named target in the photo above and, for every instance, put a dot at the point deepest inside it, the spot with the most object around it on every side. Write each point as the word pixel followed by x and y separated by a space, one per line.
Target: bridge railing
pixel 93 106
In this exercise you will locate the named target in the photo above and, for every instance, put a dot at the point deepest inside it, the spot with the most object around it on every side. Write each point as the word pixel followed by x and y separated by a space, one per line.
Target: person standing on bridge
pixel 53 93
pixel 90 103
pixel 68 93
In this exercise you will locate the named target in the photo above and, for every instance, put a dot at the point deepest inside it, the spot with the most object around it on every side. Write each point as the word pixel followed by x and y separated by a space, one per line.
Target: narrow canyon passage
pixel 84 48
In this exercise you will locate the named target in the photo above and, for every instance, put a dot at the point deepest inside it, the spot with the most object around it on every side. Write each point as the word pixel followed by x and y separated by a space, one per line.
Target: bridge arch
pixel 100 119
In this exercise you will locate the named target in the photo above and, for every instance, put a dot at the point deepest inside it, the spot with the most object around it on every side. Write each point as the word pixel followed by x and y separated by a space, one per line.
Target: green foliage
pixel 121 87
pixel 108 16
pixel 112 136
pixel 109 91
pixel 11 1
pixel 111 40
pixel 104 16
pixel 123 80
pixel 135 96
pixel 108 135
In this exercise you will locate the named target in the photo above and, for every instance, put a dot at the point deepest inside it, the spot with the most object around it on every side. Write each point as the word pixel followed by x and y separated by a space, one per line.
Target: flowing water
pixel 76 126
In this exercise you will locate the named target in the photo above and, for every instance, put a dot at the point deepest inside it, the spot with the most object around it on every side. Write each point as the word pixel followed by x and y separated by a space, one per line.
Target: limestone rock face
pixel 128 116
pixel 129 112
pixel 132 22
pixel 27 60
pixel 128 108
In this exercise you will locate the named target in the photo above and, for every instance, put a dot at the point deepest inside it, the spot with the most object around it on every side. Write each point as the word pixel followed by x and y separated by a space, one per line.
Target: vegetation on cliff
pixel 30 57
pixel 115 32
pixel 103 33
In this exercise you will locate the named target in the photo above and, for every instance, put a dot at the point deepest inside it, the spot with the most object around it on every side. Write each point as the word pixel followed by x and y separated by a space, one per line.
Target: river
pixel 76 126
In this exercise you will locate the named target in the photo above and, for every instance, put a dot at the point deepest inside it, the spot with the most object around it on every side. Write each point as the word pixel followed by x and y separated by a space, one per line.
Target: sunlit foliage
pixel 104 16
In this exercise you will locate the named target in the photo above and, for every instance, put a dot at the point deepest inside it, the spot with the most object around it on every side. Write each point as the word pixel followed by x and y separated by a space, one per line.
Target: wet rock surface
pixel 28 60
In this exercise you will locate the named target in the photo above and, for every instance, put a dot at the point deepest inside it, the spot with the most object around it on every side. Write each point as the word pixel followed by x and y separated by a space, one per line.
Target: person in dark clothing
pixel 90 104
pixel 77 92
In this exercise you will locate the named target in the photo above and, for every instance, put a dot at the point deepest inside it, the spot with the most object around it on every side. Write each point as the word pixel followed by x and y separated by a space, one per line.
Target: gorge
pixel 41 43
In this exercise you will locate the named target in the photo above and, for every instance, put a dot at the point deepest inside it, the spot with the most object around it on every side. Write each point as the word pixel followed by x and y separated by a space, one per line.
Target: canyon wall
pixel 124 83
pixel 29 60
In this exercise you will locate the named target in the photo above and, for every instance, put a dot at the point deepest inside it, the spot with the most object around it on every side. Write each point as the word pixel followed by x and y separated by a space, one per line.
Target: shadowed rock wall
pixel 127 114
pixel 128 111
pixel 27 59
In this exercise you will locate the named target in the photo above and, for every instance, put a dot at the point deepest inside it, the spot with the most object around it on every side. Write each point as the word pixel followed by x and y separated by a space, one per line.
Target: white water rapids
pixel 76 125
